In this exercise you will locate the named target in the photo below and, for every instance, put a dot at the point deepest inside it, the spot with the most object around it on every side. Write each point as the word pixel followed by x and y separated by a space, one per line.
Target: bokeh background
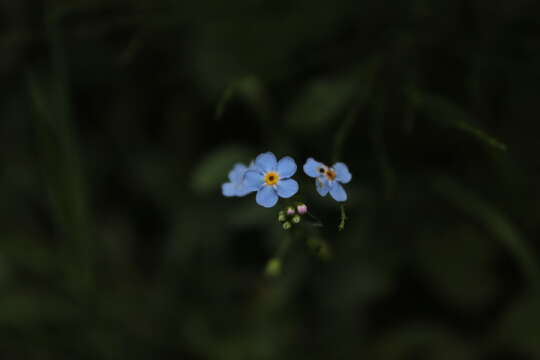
pixel 119 120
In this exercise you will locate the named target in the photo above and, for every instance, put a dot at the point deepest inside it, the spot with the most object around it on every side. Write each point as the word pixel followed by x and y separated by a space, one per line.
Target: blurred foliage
pixel 121 119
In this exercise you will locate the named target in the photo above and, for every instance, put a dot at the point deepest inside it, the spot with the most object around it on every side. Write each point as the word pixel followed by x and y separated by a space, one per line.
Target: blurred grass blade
pixel 63 183
pixel 366 76
pixel 449 114
pixel 494 221
pixel 60 164
pixel 48 147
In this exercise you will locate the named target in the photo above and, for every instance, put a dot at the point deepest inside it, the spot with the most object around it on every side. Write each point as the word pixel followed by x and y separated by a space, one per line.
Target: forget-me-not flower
pixel 270 178
pixel 236 185
pixel 329 179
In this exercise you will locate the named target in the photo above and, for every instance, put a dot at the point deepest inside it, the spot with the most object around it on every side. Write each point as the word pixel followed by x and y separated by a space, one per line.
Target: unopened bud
pixel 281 216
pixel 296 219
pixel 273 267
pixel 287 225
pixel 290 211
pixel 302 209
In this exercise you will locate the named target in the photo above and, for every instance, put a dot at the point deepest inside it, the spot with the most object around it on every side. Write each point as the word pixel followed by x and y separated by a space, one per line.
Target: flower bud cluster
pixel 292 215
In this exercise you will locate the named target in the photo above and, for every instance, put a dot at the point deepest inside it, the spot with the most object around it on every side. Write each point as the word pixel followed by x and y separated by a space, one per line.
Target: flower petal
pixel 228 189
pixel 311 167
pixel 338 192
pixel 286 167
pixel 243 190
pixel 253 180
pixel 322 185
pixel 287 188
pixel 266 162
pixel 342 172
pixel 237 173
pixel 266 197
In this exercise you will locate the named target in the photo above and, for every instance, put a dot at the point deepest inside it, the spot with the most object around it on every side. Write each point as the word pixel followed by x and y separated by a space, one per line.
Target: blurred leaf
pixel 494 221
pixel 320 247
pixel 321 102
pixel 213 169
pixel 325 99
pixel 461 266
pixel 447 113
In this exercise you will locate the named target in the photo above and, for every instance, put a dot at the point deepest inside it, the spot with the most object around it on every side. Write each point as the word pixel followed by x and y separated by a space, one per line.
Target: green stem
pixel 341 225
pixel 273 266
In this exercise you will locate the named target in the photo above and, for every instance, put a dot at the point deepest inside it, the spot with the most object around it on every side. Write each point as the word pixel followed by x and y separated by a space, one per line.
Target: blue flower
pixel 270 178
pixel 329 179
pixel 236 185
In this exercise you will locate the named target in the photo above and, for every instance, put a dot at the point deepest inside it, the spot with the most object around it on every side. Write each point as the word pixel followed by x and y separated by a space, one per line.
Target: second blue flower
pixel 329 179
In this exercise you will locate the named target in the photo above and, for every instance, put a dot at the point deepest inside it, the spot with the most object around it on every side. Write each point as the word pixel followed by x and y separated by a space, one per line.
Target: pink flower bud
pixel 302 209
pixel 290 211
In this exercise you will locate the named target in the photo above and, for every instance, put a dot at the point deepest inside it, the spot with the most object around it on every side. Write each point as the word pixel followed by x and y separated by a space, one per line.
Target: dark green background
pixel 119 120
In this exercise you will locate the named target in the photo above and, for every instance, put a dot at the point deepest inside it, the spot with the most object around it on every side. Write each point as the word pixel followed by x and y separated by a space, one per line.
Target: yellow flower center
pixel 330 174
pixel 271 178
